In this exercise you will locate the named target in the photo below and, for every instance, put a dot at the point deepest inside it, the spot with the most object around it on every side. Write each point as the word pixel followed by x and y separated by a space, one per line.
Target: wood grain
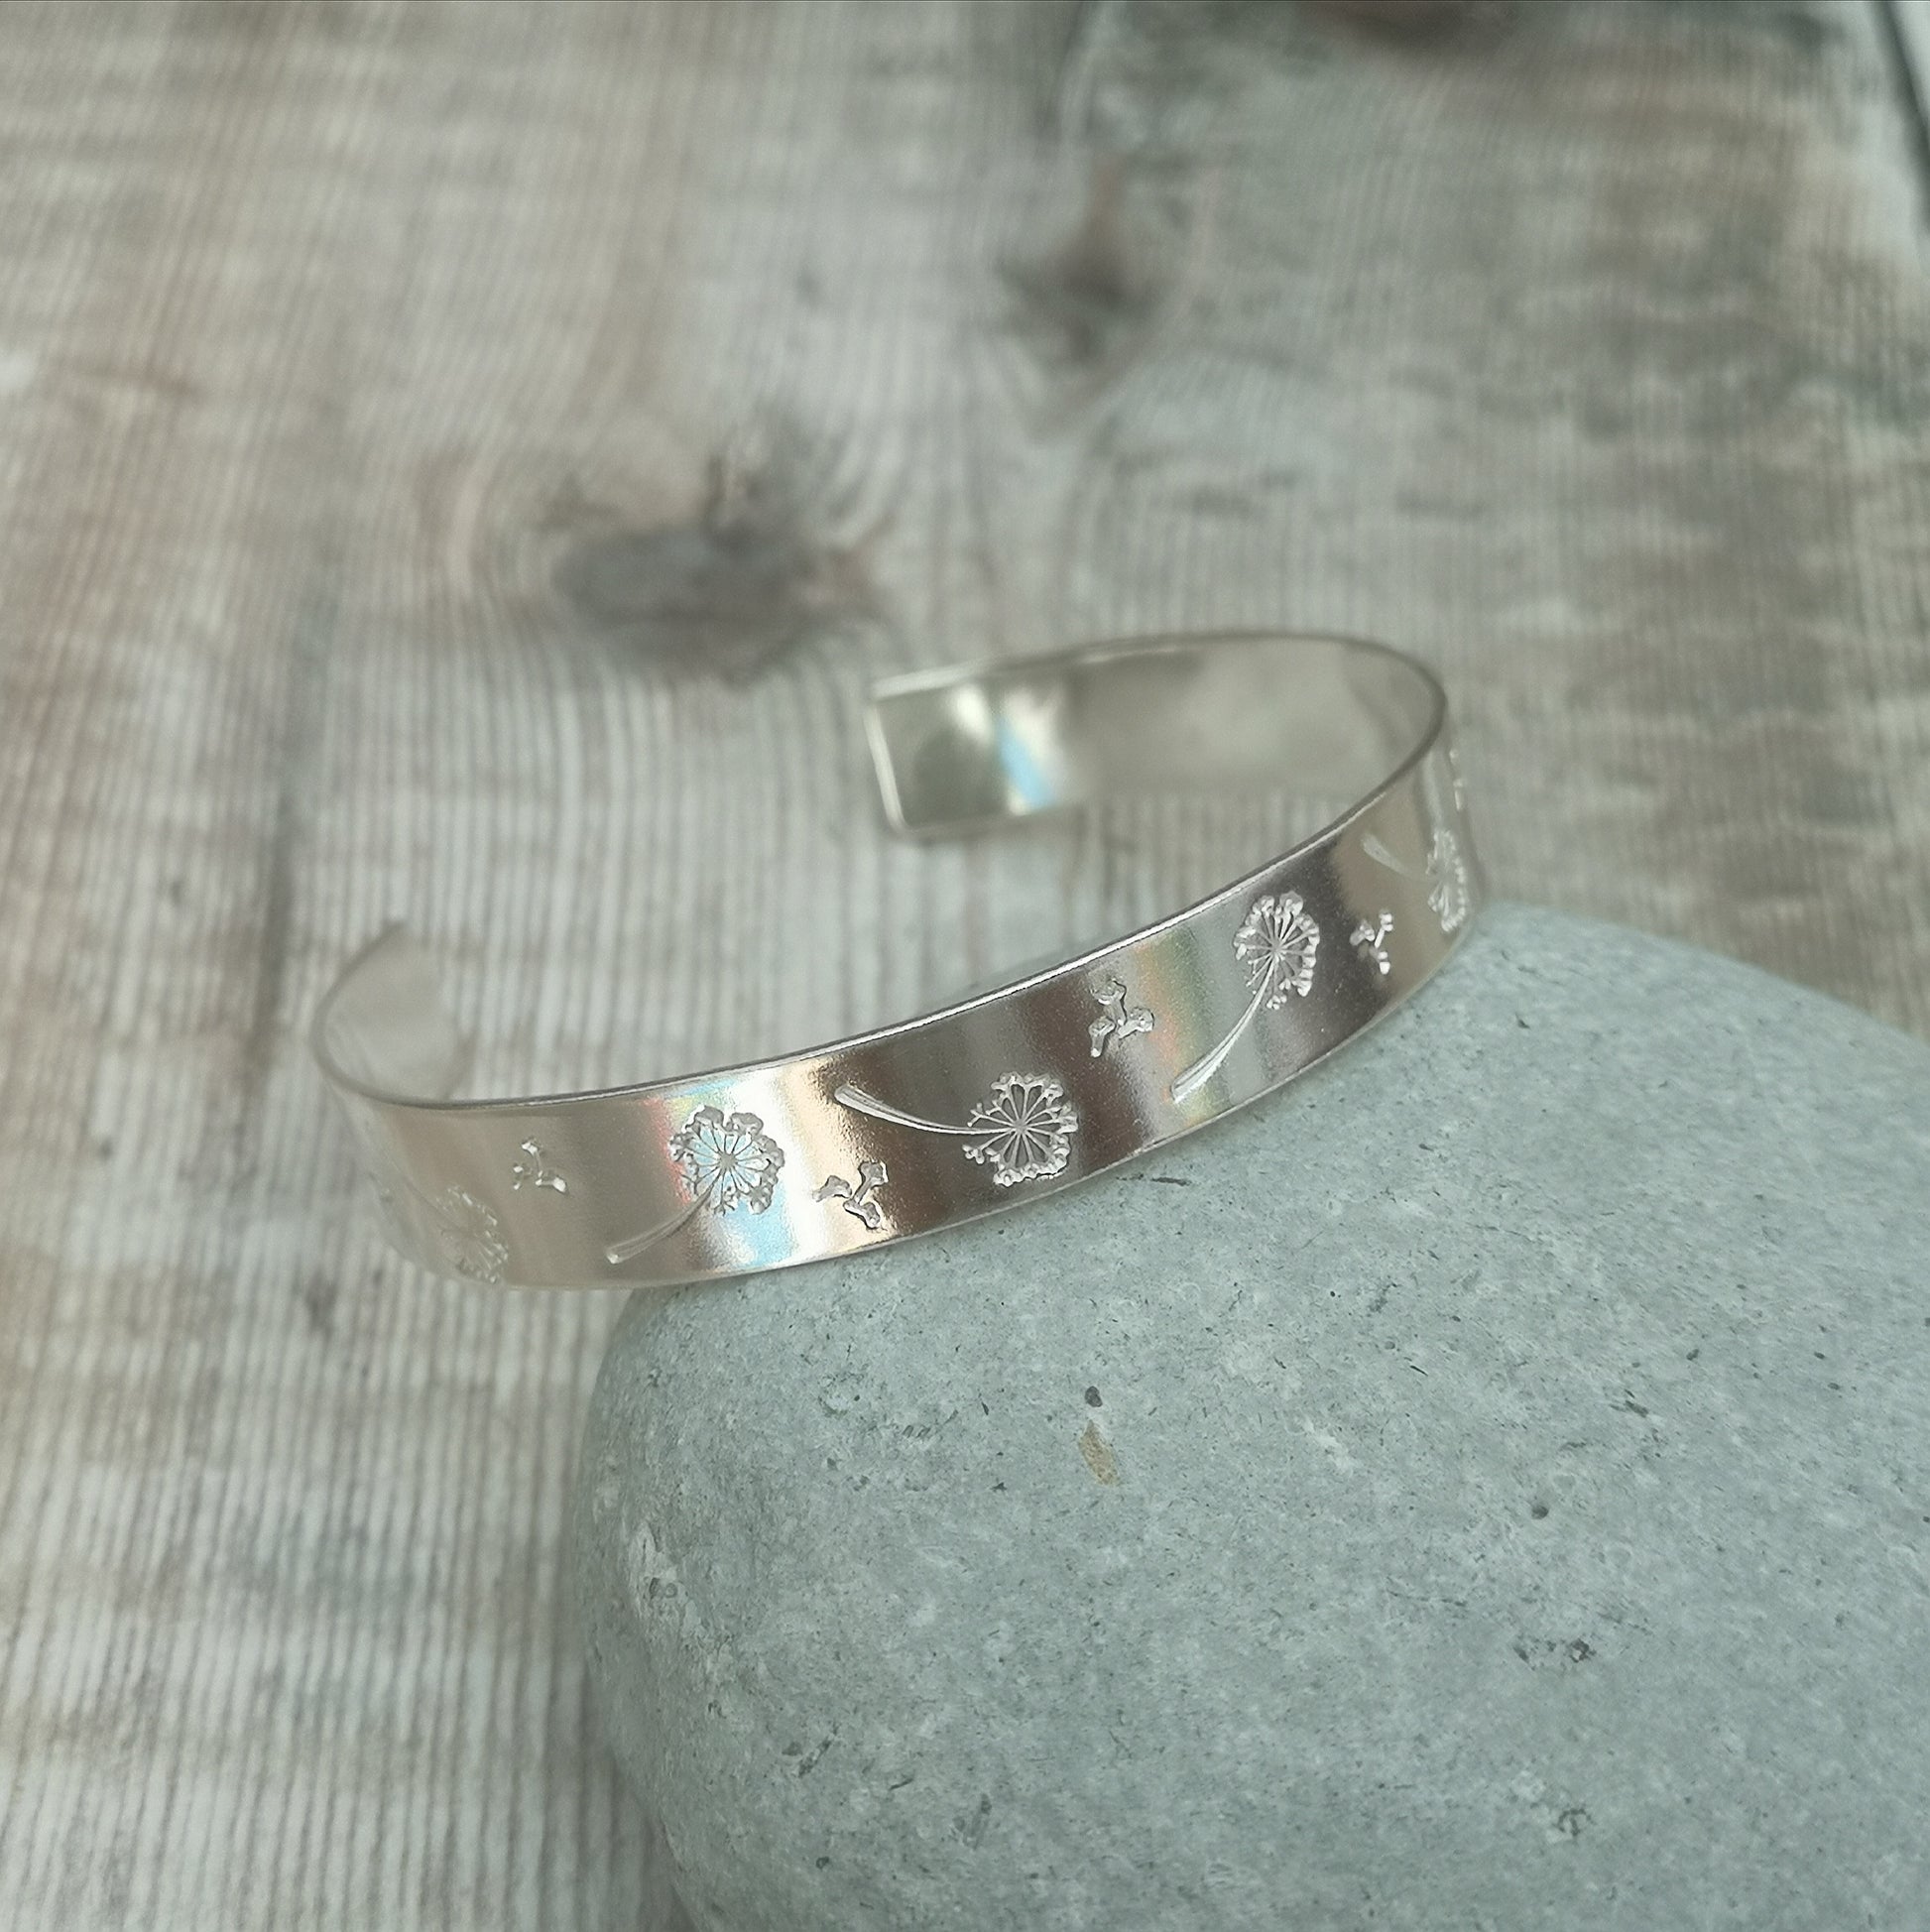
pixel 464 461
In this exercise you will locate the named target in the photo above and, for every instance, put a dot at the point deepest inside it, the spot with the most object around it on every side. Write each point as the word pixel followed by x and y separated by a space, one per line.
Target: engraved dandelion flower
pixel 1277 944
pixel 1027 1125
pixel 1445 873
pixel 727 1161
pixel 468 1236
pixel 1024 1130
pixel 1448 894
pixel 462 1232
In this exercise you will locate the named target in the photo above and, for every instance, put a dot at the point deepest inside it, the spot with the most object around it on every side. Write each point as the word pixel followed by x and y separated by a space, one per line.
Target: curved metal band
pixel 1004 1096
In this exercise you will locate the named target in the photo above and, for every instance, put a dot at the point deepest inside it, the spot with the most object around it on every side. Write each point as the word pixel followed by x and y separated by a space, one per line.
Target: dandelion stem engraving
pixel 1377 851
pixel 859 1200
pixel 1370 941
pixel 1022 1130
pixel 1120 1019
pixel 1277 944
pixel 726 1161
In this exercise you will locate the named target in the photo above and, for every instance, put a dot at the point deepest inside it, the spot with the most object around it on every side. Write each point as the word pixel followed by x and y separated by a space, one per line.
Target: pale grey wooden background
pixel 465 460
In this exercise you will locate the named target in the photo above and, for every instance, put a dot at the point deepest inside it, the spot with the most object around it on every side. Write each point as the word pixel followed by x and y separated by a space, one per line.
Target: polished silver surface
pixel 1004 1096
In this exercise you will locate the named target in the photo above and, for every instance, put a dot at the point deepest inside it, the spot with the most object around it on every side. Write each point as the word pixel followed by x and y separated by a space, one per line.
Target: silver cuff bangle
pixel 1001 1097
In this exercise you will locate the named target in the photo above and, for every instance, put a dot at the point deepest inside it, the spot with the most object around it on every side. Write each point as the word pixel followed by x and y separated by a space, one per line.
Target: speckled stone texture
pixel 1487 1485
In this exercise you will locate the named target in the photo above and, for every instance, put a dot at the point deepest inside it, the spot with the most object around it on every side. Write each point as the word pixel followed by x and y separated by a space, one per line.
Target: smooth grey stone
pixel 1484 1486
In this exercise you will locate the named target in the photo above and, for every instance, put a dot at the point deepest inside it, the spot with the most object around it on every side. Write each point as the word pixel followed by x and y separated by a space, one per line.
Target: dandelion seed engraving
pixel 535 1170
pixel 1370 941
pixel 726 1161
pixel 1120 1021
pixel 859 1200
pixel 1277 945
pixel 1022 1131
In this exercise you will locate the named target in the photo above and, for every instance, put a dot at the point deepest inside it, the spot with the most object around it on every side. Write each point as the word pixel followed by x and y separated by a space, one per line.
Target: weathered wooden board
pixel 1909 25
pixel 465 460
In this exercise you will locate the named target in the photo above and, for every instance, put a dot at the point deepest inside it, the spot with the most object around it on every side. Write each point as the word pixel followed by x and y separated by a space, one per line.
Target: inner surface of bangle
pixel 1325 721
pixel 1321 717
